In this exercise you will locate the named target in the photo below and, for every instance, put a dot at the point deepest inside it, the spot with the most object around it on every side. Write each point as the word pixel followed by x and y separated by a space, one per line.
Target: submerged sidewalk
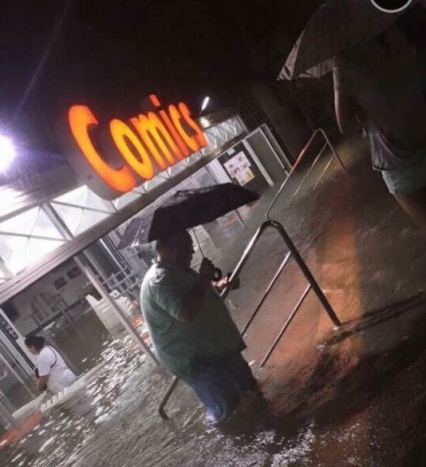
pixel 353 396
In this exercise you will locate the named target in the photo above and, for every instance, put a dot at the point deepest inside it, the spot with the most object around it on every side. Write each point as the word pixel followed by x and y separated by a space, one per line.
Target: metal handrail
pixel 313 285
pixel 286 325
pixel 299 160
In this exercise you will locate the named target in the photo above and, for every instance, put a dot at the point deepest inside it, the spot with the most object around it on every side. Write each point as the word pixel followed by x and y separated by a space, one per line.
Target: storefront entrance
pixel 84 299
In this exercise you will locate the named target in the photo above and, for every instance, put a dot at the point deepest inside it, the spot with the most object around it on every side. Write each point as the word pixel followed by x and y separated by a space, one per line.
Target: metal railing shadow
pixel 377 317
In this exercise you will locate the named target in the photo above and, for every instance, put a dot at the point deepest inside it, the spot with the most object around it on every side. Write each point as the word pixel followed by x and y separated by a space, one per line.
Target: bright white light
pixel 205 103
pixel 7 153
pixel 205 122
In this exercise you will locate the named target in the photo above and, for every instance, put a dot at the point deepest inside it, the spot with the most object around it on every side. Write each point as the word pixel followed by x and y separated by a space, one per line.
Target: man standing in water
pixel 192 330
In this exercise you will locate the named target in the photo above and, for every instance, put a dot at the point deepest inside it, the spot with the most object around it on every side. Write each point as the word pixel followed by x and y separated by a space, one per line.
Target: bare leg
pixel 414 204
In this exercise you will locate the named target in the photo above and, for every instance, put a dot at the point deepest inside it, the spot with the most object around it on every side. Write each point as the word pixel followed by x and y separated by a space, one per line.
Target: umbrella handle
pixel 217 274
pixel 236 284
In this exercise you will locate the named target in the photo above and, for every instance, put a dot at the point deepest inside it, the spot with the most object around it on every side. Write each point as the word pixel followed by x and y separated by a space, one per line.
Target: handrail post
pixel 336 154
pixel 299 160
pixel 166 398
pixel 244 258
pixel 307 273
pixel 286 325
pixel 266 293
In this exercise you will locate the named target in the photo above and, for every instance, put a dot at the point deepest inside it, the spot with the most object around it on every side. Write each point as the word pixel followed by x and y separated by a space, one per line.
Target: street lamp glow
pixel 7 153
pixel 205 103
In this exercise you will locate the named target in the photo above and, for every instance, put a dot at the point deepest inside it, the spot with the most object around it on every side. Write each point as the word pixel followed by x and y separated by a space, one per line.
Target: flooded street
pixel 340 417
pixel 348 397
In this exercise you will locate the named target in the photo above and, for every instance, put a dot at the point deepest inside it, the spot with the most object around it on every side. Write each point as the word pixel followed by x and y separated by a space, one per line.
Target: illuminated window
pixel 82 209
pixel 25 239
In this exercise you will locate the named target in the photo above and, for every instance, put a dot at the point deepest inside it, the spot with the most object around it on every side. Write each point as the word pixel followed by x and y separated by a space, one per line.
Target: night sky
pixel 109 54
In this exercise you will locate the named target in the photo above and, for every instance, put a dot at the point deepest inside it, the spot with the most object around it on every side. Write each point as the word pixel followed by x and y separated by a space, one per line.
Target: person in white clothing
pixel 52 372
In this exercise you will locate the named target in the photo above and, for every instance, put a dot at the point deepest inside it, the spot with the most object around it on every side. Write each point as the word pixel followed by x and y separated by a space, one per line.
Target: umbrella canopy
pixel 336 26
pixel 186 209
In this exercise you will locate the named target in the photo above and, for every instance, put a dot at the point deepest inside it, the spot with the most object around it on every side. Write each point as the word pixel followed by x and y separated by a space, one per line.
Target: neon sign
pixel 133 151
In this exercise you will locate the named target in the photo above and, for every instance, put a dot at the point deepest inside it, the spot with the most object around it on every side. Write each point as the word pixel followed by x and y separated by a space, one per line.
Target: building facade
pixel 61 274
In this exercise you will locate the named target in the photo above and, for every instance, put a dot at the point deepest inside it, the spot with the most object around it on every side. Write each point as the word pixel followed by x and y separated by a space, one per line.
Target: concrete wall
pixel 288 123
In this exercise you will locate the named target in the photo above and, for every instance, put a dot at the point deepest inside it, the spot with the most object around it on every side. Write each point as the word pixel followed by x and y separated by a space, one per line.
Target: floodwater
pixel 114 422
pixel 349 397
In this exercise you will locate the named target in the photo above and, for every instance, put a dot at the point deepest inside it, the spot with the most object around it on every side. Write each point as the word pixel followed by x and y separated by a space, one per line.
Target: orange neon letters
pixel 184 151
pixel 199 136
pixel 154 134
pixel 176 117
pixel 142 165
pixel 81 119
pixel 152 142
pixel 155 101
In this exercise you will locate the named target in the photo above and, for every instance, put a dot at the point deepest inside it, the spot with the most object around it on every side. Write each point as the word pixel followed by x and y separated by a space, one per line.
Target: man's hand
pixel 223 283
pixel 42 383
pixel 207 271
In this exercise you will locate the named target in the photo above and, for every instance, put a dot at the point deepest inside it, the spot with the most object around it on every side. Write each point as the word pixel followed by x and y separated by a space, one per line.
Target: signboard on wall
pixel 239 168
pixel 113 159
pixel 243 168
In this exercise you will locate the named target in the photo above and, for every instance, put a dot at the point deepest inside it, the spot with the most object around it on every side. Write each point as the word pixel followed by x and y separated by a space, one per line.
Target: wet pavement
pixel 348 397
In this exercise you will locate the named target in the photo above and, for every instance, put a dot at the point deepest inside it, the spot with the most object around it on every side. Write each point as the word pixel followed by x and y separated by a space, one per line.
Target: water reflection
pixel 113 422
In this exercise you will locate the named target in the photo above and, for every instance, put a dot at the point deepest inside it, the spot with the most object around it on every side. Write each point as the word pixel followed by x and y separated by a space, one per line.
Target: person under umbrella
pixel 190 325
pixel 378 84
pixel 337 25
pixel 192 330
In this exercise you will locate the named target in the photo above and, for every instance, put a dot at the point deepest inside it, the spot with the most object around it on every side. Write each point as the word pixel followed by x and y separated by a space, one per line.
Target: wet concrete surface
pixel 352 396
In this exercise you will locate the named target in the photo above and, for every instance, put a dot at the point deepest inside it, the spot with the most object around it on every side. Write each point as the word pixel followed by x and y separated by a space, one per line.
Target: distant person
pixel 52 372
pixel 192 330
pixel 378 84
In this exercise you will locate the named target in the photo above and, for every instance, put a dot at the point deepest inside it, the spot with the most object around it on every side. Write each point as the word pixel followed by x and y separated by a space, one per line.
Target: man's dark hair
pixel 163 243
pixel 35 341
pixel 169 241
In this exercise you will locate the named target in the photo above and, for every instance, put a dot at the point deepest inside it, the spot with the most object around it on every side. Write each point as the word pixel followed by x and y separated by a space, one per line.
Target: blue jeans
pixel 220 384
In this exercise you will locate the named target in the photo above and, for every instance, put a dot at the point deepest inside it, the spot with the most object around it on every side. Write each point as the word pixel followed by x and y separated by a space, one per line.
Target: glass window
pixel 32 222
pixel 85 198
pixel 18 252
pixel 70 215
pixel 91 218
pixel 75 197
pixel 95 202
pixel 79 220
pixel 20 224
pixel 44 227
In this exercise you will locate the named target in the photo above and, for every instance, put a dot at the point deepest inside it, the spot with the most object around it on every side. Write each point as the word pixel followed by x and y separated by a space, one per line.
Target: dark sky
pixel 111 53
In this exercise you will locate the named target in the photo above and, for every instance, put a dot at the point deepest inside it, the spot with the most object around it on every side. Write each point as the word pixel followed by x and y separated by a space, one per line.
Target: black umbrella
pixel 337 25
pixel 186 209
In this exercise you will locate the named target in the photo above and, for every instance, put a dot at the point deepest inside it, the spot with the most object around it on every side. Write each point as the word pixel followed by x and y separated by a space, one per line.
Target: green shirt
pixel 178 345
